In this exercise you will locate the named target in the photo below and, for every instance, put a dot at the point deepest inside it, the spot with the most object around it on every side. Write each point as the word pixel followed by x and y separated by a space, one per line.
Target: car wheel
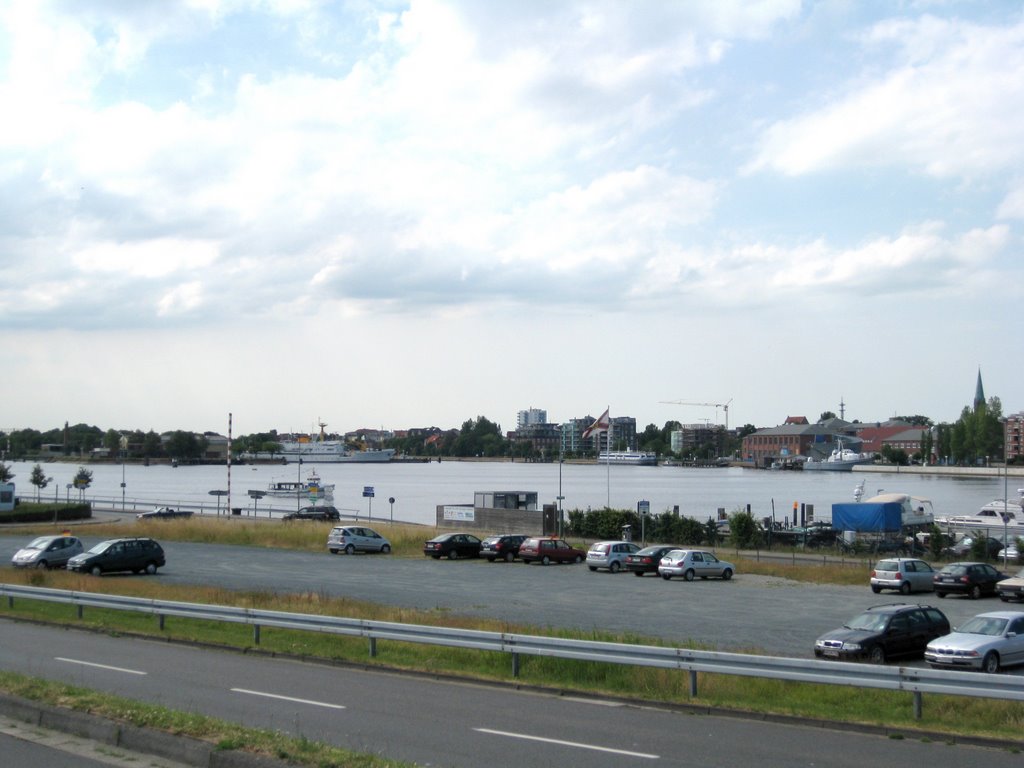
pixel 435 557
pixel 875 589
pixel 510 556
pixel 975 592
pixel 96 571
pixel 990 663
pixel 545 560
pixel 1004 598
pixel 727 574
pixel 876 654
pixel 386 549
pixel 905 588
pixel 526 562
pixel 578 559
pixel 350 549
pixel 638 573
pixel 592 567
pixel 689 575
pixel 42 565
pixel 666 576
pixel 453 555
pixel 334 551
pixel 941 594
pixel 614 567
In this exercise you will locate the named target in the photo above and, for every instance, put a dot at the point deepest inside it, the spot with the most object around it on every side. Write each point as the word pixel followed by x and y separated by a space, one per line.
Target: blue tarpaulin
pixel 866 516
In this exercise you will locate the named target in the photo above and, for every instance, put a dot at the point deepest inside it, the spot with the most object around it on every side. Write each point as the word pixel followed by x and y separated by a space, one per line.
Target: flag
pixel 601 425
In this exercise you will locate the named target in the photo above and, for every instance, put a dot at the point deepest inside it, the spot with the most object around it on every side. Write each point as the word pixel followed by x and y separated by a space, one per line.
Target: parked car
pixel 1011 588
pixel 610 554
pixel 355 538
pixel 135 555
pixel 453 546
pixel 904 574
pixel 884 632
pixel 648 558
pixel 548 549
pixel 164 513
pixel 47 552
pixel 971 579
pixel 504 547
pixel 690 563
pixel 318 514
pixel 989 642
pixel 965 546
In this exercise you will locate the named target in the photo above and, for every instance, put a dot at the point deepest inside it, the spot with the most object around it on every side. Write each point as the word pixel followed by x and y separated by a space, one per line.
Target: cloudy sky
pixel 393 214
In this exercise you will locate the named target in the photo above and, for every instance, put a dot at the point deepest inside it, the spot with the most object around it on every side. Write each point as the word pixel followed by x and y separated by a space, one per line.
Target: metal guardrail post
pixel 373 647
pixel 693 683
pixel 515 664
pixel 81 610
pixel 161 617
pixel 256 634
pixel 918 704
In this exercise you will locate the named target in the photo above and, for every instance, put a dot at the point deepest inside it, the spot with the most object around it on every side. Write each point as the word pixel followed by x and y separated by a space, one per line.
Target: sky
pixel 406 214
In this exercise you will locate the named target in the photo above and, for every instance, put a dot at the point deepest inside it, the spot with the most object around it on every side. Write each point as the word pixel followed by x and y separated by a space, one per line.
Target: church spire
pixel 979 392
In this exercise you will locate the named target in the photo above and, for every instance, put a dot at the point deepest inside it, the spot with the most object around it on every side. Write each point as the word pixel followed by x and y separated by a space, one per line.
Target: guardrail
pixel 917 681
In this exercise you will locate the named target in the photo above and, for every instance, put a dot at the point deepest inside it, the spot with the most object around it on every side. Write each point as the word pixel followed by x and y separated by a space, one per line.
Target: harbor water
pixel 418 488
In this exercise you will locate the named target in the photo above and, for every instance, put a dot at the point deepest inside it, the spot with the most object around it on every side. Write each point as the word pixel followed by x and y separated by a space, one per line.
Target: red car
pixel 548 549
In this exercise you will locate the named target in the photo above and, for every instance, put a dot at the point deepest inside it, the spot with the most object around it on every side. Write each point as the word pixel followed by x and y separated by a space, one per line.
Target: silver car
pixel 904 574
pixel 610 554
pixel 354 538
pixel 47 552
pixel 989 642
pixel 691 563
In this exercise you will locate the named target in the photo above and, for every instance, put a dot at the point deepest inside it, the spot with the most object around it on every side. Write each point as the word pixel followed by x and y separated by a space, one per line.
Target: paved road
pixel 443 723
pixel 750 612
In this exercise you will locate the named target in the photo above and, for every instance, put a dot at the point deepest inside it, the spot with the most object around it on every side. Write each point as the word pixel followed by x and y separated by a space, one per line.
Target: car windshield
pixel 101 547
pixel 39 543
pixel 871 622
pixel 983 625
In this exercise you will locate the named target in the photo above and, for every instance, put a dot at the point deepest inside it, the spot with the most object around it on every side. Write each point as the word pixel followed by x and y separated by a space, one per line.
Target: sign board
pixel 643 507
pixel 461 514
pixel 368 491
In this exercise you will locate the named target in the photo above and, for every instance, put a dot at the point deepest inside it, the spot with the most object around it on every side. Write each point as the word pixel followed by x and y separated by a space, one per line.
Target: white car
pixel 691 563
pixel 610 554
pixel 47 552
pixel 904 574
pixel 355 538
pixel 989 642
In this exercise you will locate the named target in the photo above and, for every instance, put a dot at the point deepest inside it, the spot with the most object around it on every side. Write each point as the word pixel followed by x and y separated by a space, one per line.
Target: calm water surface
pixel 419 487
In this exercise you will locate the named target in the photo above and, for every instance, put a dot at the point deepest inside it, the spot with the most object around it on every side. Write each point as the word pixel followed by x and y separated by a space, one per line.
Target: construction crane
pixel 724 406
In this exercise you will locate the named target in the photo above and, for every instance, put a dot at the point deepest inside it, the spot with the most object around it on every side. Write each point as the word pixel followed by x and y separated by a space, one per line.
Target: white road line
pixel 100 666
pixel 593 747
pixel 288 698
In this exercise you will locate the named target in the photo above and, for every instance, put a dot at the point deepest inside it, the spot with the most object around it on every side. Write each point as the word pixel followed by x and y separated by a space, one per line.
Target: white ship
pixel 994 517
pixel 311 488
pixel 331 452
pixel 633 458
pixel 840 460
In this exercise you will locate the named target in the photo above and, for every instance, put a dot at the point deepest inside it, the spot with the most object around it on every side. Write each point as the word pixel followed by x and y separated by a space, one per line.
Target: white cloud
pixel 951 104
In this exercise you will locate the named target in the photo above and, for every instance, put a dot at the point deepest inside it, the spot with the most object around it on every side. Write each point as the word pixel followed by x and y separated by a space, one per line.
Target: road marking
pixel 577 744
pixel 288 698
pixel 101 666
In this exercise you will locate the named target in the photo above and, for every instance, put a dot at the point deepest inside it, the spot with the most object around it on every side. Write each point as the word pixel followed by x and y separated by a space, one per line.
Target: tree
pixel 39 479
pixel 744 531
pixel 5 473
pixel 826 416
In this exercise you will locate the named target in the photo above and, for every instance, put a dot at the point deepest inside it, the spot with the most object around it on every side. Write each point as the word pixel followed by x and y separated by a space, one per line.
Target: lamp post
pixel 124 453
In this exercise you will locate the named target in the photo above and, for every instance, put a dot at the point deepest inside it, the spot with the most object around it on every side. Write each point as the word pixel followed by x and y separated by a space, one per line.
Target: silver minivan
pixel 47 552
pixel 355 538
pixel 903 574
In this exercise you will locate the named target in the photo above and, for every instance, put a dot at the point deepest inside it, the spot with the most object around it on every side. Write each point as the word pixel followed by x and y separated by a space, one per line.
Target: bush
pixel 744 532
pixel 28 512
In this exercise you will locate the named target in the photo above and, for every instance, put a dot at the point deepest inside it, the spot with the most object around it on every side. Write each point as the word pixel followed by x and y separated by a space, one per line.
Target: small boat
pixel 840 460
pixel 997 515
pixel 312 487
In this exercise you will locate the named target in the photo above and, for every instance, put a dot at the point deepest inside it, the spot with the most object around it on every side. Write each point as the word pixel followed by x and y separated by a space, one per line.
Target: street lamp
pixel 124 453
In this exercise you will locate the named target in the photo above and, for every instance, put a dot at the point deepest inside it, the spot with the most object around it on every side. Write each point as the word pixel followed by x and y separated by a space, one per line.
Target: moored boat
pixel 840 460
pixel 312 487
pixel 632 458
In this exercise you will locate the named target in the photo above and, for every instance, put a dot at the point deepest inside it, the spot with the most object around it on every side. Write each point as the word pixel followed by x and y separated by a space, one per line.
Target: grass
pixel 888 709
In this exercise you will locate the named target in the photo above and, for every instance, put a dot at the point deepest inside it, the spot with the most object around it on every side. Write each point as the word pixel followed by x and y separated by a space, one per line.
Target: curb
pixel 181 749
